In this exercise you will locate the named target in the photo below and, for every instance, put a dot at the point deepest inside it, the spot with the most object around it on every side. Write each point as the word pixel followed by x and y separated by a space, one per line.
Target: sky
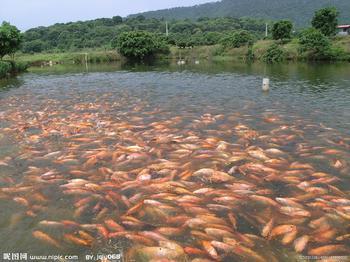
pixel 27 14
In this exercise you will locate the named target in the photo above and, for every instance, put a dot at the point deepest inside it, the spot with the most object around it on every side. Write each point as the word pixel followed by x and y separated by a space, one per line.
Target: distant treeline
pixel 101 33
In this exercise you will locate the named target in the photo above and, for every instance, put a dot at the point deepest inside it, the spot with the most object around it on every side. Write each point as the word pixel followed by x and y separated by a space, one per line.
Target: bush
pixel 274 54
pixel 282 30
pixel 5 68
pixel 9 67
pixel 18 67
pixel 315 44
pixel 250 54
pixel 219 51
pixel 139 45
pixel 238 39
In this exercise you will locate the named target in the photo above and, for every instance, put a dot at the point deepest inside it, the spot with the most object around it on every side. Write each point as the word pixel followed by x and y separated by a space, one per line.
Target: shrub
pixel 314 44
pixel 274 54
pixel 250 54
pixel 238 39
pixel 219 51
pixel 5 68
pixel 10 67
pixel 18 67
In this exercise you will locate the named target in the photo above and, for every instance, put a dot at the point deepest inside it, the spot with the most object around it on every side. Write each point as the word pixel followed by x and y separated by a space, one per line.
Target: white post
pixel 166 28
pixel 266 30
pixel 266 84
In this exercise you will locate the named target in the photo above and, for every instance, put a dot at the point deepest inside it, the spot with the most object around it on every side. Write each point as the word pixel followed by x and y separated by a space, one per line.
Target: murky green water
pixel 125 143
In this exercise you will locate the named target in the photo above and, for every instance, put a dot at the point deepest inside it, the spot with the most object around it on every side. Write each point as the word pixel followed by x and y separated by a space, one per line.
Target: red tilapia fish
pixel 175 188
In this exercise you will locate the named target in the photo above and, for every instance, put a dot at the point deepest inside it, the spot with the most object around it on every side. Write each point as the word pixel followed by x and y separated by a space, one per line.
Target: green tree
pixel 314 43
pixel 117 20
pixel 10 39
pixel 282 30
pixel 326 20
pixel 139 44
pixel 35 46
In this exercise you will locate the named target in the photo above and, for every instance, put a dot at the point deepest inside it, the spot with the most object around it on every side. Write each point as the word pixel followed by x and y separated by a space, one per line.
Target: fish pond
pixel 176 163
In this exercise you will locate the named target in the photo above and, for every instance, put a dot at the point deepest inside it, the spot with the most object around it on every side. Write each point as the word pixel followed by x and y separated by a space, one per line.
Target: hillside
pixel 299 11
pixel 101 32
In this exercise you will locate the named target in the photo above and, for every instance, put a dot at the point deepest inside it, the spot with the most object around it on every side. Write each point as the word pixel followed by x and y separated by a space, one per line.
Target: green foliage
pixel 282 30
pixel 102 32
pixel 298 11
pixel 18 67
pixel 326 20
pixel 314 44
pixel 117 20
pixel 139 45
pixel 9 67
pixel 274 54
pixel 250 56
pixel 35 46
pixel 10 39
pixel 5 68
pixel 237 39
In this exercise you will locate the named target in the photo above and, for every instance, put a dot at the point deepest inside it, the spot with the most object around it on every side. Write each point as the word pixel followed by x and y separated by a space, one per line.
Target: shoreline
pixel 213 53
pixel 210 53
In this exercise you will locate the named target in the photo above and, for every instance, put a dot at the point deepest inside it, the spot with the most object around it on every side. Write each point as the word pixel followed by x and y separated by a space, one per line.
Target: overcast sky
pixel 26 14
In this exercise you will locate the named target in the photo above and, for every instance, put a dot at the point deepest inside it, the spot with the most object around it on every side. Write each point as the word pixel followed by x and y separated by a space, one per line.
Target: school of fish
pixel 187 187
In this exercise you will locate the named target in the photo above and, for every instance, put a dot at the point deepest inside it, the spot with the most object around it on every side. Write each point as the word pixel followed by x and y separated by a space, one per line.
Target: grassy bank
pixel 9 68
pixel 218 53
pixel 39 59
pixel 211 53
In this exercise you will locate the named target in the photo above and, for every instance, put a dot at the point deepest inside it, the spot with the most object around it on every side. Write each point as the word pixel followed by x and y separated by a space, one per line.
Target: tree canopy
pixel 282 30
pixel 138 45
pixel 326 20
pixel 238 39
pixel 101 32
pixel 10 39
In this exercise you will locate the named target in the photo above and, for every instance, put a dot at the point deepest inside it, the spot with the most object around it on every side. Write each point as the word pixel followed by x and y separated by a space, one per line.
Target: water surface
pixel 80 148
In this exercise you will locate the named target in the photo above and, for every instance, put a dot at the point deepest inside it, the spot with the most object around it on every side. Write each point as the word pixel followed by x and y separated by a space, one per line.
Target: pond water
pixel 190 163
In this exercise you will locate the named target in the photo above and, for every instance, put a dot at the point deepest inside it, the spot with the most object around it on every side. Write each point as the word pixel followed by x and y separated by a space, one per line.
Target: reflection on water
pixel 179 163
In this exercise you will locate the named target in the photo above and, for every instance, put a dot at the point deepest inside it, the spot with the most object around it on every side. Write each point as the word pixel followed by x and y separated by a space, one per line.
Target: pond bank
pixel 47 59
pixel 210 53
pixel 259 49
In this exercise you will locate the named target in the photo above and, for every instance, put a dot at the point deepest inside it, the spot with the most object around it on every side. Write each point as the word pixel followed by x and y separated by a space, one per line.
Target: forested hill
pixel 100 33
pixel 298 11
